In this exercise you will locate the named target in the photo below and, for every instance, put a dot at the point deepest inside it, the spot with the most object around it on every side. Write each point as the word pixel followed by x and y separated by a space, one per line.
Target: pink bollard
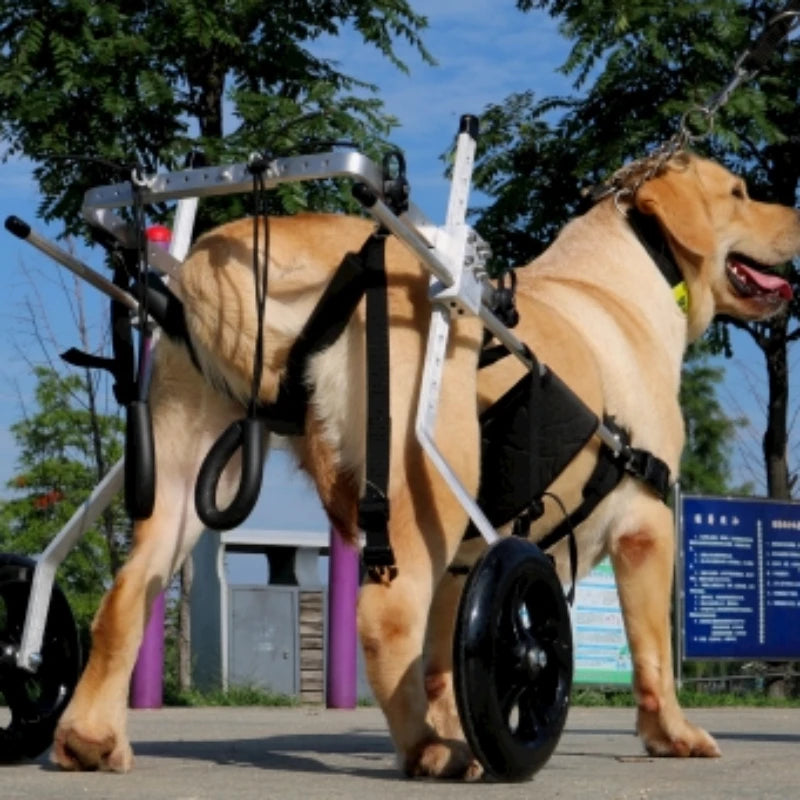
pixel 343 580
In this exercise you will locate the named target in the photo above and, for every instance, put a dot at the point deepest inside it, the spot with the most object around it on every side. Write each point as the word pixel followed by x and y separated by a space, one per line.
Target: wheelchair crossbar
pixel 237 178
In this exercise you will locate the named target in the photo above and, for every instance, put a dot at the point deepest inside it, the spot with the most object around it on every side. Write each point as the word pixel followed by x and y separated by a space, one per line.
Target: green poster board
pixel 601 647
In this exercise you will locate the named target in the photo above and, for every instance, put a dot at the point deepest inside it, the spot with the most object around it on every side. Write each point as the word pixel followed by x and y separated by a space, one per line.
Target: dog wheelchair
pixel 513 659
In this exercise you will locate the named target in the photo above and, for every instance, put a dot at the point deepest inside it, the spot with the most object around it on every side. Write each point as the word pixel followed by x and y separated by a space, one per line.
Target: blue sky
pixel 486 49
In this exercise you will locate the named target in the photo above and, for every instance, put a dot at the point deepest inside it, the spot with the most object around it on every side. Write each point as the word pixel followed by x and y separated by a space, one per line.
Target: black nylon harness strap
pixel 610 469
pixel 373 508
pixel 287 414
pixel 163 306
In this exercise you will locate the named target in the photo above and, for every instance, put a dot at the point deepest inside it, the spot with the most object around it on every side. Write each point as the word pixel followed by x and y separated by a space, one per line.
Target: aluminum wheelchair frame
pixel 454 254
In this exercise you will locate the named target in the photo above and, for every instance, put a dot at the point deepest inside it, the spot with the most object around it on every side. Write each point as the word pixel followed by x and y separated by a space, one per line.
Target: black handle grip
pixel 140 463
pixel 778 28
pixel 18 227
pixel 247 434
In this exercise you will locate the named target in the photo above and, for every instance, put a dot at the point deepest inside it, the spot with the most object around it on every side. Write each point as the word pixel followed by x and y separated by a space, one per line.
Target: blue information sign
pixel 741 578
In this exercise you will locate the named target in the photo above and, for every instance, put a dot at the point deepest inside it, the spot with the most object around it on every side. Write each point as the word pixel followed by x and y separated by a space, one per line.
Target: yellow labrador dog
pixel 594 307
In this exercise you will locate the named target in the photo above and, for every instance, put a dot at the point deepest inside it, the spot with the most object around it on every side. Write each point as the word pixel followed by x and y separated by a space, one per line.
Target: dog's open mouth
pixel 750 279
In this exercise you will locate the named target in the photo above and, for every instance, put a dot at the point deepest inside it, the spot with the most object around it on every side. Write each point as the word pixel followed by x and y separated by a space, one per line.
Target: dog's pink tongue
pixel 767 283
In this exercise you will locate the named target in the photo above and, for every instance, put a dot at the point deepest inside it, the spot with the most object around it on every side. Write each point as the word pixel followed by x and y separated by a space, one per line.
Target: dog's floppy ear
pixel 677 200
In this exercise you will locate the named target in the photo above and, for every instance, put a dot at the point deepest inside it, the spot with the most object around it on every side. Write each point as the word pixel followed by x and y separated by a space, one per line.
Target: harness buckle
pixel 650 469
pixel 373 510
pixel 373 516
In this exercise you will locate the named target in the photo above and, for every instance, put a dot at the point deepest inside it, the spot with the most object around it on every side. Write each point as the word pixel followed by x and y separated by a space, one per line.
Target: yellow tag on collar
pixel 681 295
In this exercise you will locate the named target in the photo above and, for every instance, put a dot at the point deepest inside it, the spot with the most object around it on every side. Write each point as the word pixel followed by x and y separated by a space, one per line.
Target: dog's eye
pixel 738 191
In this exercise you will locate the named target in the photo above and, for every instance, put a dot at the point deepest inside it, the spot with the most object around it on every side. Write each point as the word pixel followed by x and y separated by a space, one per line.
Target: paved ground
pixel 264 753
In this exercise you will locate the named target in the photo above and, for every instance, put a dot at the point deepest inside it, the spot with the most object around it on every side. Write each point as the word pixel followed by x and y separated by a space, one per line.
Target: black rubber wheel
pixel 513 660
pixel 35 699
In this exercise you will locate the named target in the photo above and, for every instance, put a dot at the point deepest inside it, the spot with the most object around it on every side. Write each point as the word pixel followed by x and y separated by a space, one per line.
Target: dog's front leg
pixel 643 559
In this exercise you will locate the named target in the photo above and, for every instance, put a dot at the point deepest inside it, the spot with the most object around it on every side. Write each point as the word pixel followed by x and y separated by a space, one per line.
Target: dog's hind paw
pixel 77 750
pixel 444 759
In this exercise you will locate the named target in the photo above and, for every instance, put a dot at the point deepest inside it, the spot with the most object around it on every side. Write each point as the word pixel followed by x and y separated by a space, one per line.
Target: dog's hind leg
pixel 425 527
pixel 188 416
pixel 643 559
pixel 438 657
pixel 442 709
pixel 393 617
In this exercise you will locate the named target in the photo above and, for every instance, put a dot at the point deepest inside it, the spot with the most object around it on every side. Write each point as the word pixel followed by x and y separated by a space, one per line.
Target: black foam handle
pixel 140 462
pixel 247 434
pixel 18 227
pixel 469 124
pixel 778 28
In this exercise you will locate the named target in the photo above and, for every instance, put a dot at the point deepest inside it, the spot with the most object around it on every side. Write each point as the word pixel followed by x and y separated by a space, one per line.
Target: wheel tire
pixel 36 700
pixel 513 659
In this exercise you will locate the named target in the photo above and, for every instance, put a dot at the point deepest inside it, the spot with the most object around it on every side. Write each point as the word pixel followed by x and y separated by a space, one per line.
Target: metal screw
pixel 536 658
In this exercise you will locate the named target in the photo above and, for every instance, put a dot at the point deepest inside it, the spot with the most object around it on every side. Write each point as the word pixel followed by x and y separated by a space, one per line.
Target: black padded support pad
pixel 528 437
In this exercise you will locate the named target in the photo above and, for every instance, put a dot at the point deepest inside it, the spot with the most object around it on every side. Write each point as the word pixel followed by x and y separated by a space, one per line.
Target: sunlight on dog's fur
pixel 594 307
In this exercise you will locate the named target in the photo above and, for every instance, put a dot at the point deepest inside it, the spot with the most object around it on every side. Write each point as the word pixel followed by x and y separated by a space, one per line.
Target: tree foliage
pixel 707 454
pixel 149 83
pixel 638 68
pixel 56 471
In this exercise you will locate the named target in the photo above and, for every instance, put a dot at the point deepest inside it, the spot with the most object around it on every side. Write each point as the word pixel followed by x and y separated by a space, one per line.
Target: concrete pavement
pixel 288 753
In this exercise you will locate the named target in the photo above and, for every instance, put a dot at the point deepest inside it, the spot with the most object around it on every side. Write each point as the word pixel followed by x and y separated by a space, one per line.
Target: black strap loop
pixel 140 461
pixel 248 435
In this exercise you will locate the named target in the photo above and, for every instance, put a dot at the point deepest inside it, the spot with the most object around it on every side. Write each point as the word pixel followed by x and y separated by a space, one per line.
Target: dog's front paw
pixel 443 759
pixel 84 746
pixel 675 738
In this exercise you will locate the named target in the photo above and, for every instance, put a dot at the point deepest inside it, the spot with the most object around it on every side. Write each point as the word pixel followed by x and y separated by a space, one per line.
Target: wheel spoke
pixel 535 713
pixel 559 654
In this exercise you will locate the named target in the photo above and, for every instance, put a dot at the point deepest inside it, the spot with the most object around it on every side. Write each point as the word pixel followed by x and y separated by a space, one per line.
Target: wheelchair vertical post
pixel 463 294
pixel 147 679
pixel 28 656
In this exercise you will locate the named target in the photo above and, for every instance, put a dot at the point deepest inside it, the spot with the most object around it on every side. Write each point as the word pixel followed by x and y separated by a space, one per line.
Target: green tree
pixel 57 469
pixel 705 464
pixel 148 83
pixel 638 68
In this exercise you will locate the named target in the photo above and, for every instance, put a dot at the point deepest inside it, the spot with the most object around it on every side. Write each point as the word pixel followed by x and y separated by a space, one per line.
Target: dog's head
pixel 724 242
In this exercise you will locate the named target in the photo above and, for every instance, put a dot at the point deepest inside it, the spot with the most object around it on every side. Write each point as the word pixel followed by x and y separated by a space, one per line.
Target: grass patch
pixel 688 698
pixel 588 697
pixel 235 696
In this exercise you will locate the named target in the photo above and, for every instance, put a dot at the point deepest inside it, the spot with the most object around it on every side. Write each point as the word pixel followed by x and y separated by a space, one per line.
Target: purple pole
pixel 342 635
pixel 147 682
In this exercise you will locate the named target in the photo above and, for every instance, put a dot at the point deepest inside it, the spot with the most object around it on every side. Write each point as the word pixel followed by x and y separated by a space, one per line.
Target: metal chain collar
pixel 697 123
